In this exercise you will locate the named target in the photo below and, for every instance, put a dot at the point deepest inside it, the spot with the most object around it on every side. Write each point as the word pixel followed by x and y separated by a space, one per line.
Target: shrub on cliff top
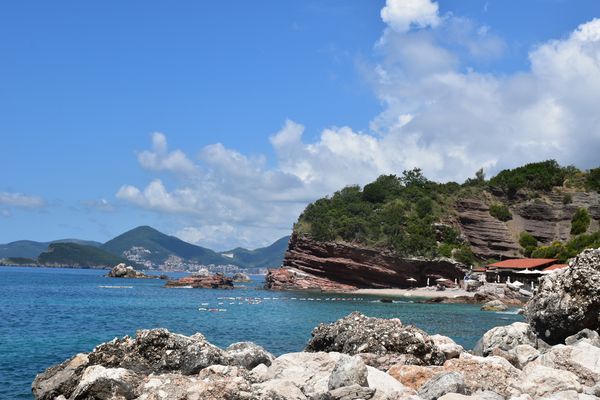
pixel 528 243
pixel 500 212
pixel 564 251
pixel 580 222
pixel 593 179
pixel 535 176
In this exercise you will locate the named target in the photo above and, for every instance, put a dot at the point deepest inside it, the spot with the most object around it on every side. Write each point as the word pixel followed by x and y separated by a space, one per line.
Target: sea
pixel 49 314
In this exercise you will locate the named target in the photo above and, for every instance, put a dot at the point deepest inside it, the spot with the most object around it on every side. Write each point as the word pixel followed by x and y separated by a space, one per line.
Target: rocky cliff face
pixel 310 264
pixel 546 217
pixel 345 266
pixel 487 236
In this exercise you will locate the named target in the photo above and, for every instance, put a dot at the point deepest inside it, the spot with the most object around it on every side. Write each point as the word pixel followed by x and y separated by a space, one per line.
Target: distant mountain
pixel 264 257
pixel 78 255
pixel 32 249
pixel 160 247
pixel 143 246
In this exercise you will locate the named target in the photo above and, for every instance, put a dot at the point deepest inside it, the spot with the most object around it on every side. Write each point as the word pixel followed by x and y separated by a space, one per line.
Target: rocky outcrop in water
pixel 124 271
pixel 216 281
pixel 295 279
pixel 567 301
pixel 309 262
pixel 240 277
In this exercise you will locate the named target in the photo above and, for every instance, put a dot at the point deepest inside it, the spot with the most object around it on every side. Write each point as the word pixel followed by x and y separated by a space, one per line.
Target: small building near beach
pixel 524 270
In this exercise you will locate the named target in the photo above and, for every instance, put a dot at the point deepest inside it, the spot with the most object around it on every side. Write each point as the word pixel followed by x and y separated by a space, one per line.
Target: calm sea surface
pixel 47 315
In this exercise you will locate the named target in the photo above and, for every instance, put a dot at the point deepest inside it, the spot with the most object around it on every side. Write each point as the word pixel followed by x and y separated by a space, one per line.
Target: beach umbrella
pixel 455 281
pixel 427 281
pixel 508 280
pixel 412 280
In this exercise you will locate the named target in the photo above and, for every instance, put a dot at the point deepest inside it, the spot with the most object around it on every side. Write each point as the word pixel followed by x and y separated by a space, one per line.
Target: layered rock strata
pixel 487 236
pixel 347 266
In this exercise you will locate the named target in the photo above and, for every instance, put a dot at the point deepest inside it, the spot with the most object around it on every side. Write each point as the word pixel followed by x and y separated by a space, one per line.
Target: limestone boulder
pixel 494 305
pixel 447 346
pixel 98 382
pixel 158 351
pixel 60 379
pixel 348 371
pixel 582 359
pixel 506 338
pixel 567 301
pixel 540 381
pixel 484 373
pixel 592 337
pixel 358 333
pixel 413 376
pixel 247 355
pixel 441 384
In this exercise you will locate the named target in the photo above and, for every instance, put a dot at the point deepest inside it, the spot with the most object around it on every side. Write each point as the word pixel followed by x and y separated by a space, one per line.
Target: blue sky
pixel 261 107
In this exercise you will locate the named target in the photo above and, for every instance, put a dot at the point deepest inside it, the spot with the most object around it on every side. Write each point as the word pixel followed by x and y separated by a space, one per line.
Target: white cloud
pixel 440 113
pixel 160 159
pixel 401 15
pixel 20 200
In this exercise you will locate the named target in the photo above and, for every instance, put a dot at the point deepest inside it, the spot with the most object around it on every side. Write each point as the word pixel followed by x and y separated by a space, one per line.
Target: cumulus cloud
pixel 442 112
pixel 467 118
pixel 402 14
pixel 20 200
pixel 160 159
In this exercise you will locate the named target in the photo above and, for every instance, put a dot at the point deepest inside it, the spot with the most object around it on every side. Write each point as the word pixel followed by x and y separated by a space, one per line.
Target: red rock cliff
pixel 313 264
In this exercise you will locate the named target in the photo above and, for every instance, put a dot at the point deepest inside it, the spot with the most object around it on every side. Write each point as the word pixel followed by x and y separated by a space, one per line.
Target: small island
pixel 127 271
pixel 216 281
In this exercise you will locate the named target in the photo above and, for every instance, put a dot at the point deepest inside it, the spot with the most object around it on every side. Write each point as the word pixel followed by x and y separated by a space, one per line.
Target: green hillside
pixel 161 246
pixel 73 254
pixel 22 248
pixel 413 216
pixel 264 257
pixel 32 249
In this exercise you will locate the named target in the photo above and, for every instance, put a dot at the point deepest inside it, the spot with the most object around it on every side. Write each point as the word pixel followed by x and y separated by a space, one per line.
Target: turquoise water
pixel 47 315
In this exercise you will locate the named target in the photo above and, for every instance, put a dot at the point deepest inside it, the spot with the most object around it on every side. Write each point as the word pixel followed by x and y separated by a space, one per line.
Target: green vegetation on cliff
pixel 536 176
pixel 73 254
pixel 580 222
pixel 18 261
pixel 393 212
pixel 414 216
pixel 564 251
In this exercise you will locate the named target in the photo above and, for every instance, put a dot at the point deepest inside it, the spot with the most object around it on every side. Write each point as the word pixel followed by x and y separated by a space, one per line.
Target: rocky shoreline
pixel 358 357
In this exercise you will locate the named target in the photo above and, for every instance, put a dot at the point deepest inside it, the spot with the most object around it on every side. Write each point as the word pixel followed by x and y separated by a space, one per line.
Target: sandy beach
pixel 427 292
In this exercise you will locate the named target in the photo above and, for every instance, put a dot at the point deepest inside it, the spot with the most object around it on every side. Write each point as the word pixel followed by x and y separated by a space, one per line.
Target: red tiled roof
pixel 522 263
pixel 556 266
